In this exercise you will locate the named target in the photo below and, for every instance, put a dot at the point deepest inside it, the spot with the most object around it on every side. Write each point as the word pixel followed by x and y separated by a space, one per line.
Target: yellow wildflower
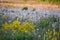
pixel 15 26
pixel 54 38
pixel 26 26
pixel 5 26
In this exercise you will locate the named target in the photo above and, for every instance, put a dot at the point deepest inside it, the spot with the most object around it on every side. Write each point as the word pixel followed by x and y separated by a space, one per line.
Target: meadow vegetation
pixel 48 29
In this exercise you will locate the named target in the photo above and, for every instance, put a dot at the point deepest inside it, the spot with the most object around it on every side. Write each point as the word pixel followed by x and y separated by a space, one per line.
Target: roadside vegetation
pixel 48 1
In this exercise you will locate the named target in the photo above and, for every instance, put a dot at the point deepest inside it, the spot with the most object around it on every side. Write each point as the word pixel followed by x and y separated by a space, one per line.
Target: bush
pixel 24 8
pixel 47 22
pixel 17 31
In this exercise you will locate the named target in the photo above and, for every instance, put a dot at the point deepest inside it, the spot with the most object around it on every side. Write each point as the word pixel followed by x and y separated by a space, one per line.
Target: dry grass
pixel 30 5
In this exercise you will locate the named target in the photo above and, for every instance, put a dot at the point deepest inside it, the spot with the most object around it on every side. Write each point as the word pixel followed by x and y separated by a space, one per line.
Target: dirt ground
pixel 30 5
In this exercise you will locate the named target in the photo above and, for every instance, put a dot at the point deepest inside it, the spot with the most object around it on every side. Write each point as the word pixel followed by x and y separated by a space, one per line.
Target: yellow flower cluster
pixel 54 38
pixel 17 26
pixel 52 34
pixel 26 27
pixel 5 26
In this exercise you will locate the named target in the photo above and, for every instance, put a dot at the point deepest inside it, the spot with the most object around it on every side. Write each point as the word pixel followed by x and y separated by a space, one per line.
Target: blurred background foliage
pixel 47 1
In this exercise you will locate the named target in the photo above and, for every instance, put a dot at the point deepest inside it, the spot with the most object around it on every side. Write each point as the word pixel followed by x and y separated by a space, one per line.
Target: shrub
pixel 17 31
pixel 24 8
pixel 16 26
pixel 45 22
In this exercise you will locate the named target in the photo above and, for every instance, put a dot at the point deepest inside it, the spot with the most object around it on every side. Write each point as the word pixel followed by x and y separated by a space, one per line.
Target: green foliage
pixel 44 22
pixel 6 35
pixel 49 1
pixel 9 35
pixel 47 22
pixel 20 36
pixel 25 8
pixel 54 1
pixel 1 20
